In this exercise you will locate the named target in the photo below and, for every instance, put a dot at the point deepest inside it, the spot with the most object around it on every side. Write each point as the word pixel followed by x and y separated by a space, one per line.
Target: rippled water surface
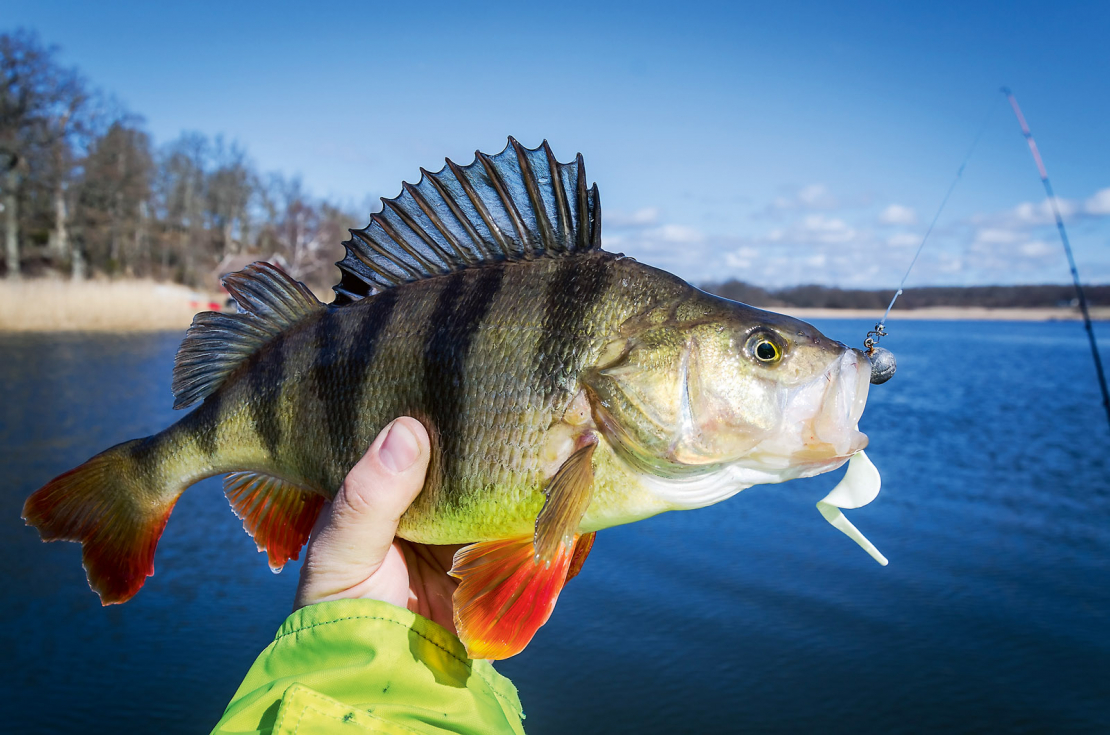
pixel 750 615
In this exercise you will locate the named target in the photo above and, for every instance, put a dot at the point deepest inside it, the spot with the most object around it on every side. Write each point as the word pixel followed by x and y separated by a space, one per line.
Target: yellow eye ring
pixel 765 350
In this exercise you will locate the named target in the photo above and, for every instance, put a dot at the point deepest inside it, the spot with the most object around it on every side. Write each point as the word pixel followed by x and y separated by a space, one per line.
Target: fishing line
pixel 873 337
pixel 1067 247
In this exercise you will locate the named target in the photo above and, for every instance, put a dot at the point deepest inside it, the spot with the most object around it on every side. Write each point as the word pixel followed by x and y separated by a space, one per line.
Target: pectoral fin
pixel 568 496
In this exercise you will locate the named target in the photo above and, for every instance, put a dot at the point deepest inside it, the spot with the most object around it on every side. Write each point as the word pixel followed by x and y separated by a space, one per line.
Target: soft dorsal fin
pixel 517 205
pixel 216 343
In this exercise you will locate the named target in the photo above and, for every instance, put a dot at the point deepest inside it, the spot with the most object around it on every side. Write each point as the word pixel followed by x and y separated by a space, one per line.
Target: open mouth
pixel 833 432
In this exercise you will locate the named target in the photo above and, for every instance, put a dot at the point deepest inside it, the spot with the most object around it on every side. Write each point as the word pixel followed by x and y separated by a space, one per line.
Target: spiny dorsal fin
pixel 517 205
pixel 216 343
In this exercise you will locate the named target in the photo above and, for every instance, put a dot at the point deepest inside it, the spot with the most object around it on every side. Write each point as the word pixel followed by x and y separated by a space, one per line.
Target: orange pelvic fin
pixel 505 594
pixel 277 514
pixel 114 508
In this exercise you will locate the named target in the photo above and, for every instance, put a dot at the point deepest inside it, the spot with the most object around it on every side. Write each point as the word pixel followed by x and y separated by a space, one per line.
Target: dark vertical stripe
pixel 341 371
pixel 148 453
pixel 578 284
pixel 204 422
pixel 265 379
pixel 461 306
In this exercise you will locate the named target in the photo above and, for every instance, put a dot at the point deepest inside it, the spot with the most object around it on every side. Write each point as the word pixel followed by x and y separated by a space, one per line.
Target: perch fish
pixel 565 389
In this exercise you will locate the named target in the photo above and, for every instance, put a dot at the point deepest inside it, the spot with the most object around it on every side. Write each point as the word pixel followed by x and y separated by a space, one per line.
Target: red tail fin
pixel 114 508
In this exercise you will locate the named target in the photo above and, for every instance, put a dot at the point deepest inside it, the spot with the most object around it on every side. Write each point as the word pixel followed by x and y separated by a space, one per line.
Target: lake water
pixel 993 616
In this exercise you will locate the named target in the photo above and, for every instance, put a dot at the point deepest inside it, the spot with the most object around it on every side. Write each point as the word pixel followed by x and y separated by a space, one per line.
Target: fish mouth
pixel 820 421
pixel 836 424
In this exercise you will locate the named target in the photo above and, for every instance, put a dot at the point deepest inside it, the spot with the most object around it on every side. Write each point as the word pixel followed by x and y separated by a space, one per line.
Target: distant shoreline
pixel 953 313
pixel 51 305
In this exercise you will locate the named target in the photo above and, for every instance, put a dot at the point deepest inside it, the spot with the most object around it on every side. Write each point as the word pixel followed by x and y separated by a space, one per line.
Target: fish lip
pixel 837 417
pixel 862 387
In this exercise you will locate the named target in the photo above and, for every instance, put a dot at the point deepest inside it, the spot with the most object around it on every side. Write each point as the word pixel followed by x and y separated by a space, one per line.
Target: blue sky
pixel 799 143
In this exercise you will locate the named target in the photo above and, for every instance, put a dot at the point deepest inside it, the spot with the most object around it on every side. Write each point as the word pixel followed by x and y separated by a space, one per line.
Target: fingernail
pixel 400 448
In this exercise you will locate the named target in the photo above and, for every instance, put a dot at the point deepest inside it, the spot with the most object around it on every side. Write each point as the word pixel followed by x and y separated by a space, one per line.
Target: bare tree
pixel 229 191
pixel 82 188
pixel 306 232
pixel 114 189
pixel 184 163
pixel 41 104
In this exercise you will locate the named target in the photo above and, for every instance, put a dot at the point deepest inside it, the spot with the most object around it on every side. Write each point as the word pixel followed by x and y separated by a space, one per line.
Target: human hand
pixel 353 552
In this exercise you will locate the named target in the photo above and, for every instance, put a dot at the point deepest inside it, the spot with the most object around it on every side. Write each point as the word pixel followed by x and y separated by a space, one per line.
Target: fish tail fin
pixel 116 506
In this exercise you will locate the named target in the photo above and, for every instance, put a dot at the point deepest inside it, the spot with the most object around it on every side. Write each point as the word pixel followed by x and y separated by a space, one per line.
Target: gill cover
pixel 670 397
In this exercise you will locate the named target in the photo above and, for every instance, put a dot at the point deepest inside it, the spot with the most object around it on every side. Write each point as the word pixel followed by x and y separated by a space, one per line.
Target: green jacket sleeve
pixel 353 666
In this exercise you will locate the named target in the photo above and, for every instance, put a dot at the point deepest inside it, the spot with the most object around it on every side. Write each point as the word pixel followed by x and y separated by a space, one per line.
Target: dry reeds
pixel 54 305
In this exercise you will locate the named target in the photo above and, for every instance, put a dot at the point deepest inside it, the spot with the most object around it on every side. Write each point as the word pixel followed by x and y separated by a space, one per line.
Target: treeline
pixel 824 297
pixel 83 189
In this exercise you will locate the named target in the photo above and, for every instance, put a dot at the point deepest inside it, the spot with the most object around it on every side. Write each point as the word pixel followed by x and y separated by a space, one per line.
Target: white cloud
pixel 903 240
pixel 679 234
pixel 828 230
pixel 813 228
pixel 898 214
pixel 1099 204
pixel 643 217
pixel 1038 249
pixel 815 195
pixel 807 198
pixel 997 235
pixel 742 258
pixel 613 241
pixel 1040 213
pixel 850 247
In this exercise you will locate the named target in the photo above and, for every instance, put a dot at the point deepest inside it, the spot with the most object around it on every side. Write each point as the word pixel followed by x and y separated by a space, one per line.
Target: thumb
pixel 353 536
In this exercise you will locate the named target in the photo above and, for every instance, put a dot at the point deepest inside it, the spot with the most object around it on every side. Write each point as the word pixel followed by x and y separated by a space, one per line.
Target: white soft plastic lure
pixel 859 487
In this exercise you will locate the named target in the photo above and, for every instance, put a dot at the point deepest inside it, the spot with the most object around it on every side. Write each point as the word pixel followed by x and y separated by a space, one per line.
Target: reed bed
pixel 54 305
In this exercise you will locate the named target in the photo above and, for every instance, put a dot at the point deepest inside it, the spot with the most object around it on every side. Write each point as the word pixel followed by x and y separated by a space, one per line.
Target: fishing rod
pixel 1067 247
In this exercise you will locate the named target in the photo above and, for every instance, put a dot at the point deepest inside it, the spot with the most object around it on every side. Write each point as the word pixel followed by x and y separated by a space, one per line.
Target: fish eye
pixel 763 349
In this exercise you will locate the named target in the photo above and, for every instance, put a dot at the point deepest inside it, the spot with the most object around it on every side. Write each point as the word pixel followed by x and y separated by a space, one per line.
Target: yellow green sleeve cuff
pixel 353 666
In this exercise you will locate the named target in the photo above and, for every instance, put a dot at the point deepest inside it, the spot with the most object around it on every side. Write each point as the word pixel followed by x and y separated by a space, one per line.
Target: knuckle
pixel 358 495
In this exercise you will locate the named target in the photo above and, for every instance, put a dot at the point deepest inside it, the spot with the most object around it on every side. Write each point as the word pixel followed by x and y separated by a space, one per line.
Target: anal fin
pixel 277 514
pixel 505 594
